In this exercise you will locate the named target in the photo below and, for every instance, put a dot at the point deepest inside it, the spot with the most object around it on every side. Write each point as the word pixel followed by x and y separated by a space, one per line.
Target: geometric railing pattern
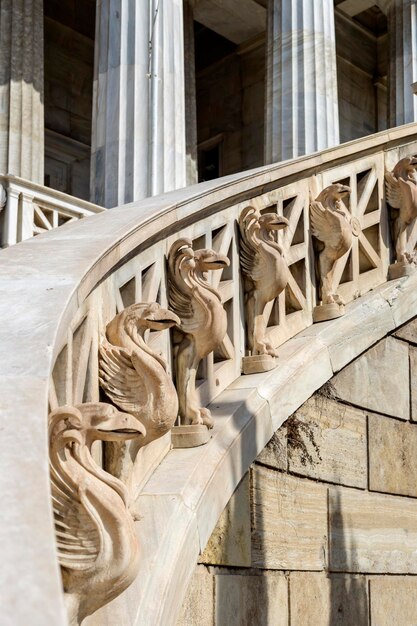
pixel 144 278
pixel 28 209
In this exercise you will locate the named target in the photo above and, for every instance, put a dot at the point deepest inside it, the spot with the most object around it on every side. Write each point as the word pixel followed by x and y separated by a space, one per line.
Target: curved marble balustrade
pixel 60 289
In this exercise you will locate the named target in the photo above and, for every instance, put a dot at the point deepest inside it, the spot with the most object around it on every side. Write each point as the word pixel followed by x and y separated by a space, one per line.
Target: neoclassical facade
pixel 116 101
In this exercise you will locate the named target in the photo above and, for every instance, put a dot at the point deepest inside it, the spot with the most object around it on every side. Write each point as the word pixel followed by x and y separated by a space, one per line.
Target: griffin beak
pixel 345 191
pixel 163 318
pixel 123 426
pixel 217 261
pixel 279 223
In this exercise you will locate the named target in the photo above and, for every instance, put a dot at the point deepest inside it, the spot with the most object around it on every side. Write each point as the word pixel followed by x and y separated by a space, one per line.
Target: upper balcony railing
pixel 62 289
pixel 28 209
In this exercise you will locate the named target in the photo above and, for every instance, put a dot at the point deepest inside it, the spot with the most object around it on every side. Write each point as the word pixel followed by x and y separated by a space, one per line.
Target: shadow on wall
pixel 348 604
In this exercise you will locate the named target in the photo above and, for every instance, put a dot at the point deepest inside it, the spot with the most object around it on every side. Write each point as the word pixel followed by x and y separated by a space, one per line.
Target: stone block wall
pixel 322 531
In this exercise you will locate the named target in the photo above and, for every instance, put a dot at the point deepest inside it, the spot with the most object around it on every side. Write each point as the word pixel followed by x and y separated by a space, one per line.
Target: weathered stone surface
pixel 337 600
pixel 372 532
pixel 275 452
pixel 408 332
pixel 413 381
pixel 250 600
pixel 392 452
pixel 229 543
pixel 327 440
pixel 378 380
pixel 393 601
pixel 198 606
pixel 289 521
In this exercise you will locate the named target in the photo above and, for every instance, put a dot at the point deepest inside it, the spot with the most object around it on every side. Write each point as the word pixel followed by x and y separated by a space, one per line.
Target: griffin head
pixel 272 221
pixel 331 195
pixel 88 422
pixel 139 318
pixel 255 226
pixel 207 259
pixel 406 168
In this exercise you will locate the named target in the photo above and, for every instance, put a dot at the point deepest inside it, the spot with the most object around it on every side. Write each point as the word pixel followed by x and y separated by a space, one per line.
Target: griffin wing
pixel 409 196
pixel 180 303
pixel 253 264
pixel 119 378
pixel 183 305
pixel 394 190
pixel 325 224
pixel 77 535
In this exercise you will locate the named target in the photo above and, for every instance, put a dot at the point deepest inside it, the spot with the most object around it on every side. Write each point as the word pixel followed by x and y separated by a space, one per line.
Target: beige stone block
pixel 392 452
pixel 372 533
pixel 275 452
pixel 334 600
pixel 289 521
pixel 393 601
pixel 408 332
pixel 229 543
pixel 198 606
pixel 378 380
pixel 413 381
pixel 327 440
pixel 251 600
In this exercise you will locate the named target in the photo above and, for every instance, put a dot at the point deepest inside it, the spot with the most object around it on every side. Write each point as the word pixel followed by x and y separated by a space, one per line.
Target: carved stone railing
pixel 61 289
pixel 28 209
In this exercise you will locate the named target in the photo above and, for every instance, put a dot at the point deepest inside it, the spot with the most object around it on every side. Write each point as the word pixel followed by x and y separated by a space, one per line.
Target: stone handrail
pixel 29 209
pixel 52 282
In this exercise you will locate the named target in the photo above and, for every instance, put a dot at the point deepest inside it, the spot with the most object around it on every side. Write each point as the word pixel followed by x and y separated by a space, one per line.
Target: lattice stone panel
pixel 47 218
pixel 365 266
pixel 143 279
pixel 75 376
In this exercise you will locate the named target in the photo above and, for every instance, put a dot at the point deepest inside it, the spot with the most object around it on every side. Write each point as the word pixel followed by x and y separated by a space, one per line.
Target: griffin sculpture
pixel 332 226
pixel 401 188
pixel 135 378
pixel 265 273
pixel 203 320
pixel 96 541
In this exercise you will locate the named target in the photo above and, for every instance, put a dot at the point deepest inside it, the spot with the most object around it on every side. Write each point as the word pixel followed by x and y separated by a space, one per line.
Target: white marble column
pixel 301 96
pixel 402 31
pixel 21 89
pixel 190 94
pixel 138 139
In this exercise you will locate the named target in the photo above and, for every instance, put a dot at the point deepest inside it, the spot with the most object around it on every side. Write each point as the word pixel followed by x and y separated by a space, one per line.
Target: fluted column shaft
pixel 190 94
pixel 301 97
pixel 402 28
pixel 21 89
pixel 138 141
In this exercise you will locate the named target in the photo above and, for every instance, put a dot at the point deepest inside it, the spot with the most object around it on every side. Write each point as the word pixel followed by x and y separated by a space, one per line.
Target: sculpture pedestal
pixel 258 363
pixel 401 269
pixel 325 312
pixel 190 436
